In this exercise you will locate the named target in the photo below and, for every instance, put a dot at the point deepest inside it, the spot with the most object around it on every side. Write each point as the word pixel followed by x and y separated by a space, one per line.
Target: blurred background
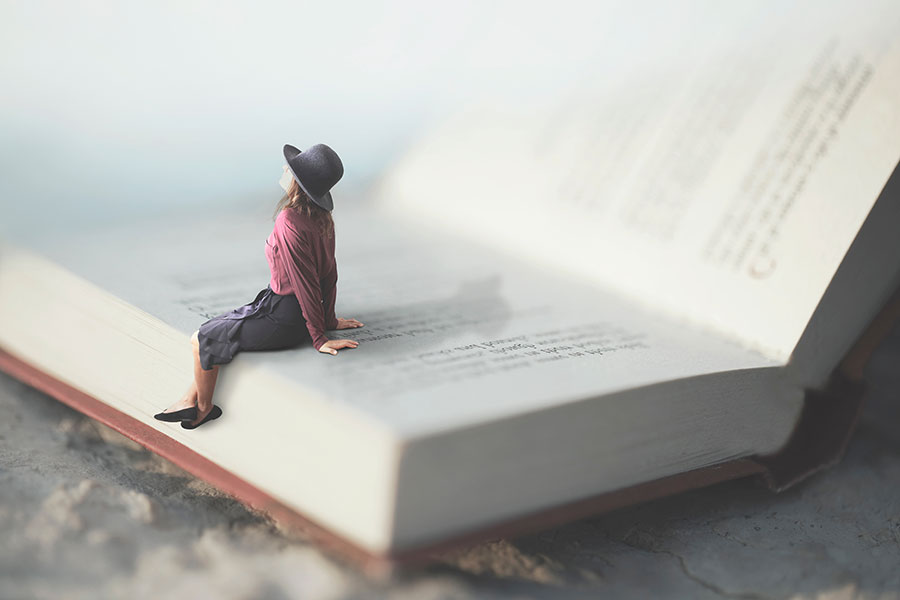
pixel 113 109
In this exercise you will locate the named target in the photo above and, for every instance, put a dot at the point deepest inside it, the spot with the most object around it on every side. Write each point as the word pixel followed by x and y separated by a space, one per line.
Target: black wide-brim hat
pixel 316 170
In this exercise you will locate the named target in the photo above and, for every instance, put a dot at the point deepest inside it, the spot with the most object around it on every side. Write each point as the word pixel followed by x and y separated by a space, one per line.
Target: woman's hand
pixel 332 346
pixel 347 323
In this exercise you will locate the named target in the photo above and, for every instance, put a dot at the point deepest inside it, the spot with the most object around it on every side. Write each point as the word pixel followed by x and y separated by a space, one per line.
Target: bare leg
pixel 203 380
pixel 188 400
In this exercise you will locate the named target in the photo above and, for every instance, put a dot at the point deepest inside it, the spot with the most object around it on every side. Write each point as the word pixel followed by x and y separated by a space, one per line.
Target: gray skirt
pixel 271 322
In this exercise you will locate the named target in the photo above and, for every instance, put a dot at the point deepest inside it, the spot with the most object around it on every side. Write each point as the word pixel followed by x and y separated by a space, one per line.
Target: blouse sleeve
pixel 329 294
pixel 297 260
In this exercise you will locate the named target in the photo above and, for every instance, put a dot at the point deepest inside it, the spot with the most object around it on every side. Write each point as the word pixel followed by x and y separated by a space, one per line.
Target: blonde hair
pixel 296 199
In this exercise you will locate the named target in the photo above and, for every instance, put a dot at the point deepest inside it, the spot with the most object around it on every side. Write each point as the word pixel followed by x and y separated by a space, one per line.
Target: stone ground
pixel 86 513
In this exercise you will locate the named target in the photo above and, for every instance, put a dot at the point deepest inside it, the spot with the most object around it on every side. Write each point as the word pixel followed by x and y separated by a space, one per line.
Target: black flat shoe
pixel 215 413
pixel 185 414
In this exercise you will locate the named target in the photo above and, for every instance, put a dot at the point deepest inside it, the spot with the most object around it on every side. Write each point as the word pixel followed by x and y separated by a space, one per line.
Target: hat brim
pixel 325 200
pixel 290 152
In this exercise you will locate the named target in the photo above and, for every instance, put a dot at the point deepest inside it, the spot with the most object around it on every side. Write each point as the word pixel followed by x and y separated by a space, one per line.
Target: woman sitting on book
pixel 298 304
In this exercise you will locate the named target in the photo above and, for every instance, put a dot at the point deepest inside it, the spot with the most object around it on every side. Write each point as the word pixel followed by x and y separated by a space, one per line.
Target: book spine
pixel 830 415
pixel 820 438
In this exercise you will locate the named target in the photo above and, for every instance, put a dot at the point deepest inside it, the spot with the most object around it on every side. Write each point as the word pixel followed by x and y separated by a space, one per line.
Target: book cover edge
pixel 377 565
pixel 819 439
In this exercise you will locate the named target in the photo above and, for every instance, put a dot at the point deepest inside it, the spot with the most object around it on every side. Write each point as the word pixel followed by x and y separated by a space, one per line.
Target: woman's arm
pixel 329 295
pixel 295 250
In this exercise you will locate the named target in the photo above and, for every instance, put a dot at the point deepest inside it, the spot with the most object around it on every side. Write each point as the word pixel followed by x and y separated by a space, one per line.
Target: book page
pixel 723 186
pixel 454 333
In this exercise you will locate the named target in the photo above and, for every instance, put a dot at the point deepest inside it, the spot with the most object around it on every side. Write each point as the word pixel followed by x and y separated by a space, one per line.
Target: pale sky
pixel 111 107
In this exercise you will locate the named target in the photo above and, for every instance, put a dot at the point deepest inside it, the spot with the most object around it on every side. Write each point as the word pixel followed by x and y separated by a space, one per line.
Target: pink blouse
pixel 302 263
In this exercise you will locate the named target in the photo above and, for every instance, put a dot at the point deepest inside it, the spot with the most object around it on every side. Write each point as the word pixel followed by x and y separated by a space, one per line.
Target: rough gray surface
pixel 86 513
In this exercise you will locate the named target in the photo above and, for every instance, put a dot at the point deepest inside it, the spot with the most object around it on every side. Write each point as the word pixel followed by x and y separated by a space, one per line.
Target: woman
pixel 298 304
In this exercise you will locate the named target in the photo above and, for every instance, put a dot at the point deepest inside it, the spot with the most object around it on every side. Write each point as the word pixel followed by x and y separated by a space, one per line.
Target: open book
pixel 645 288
